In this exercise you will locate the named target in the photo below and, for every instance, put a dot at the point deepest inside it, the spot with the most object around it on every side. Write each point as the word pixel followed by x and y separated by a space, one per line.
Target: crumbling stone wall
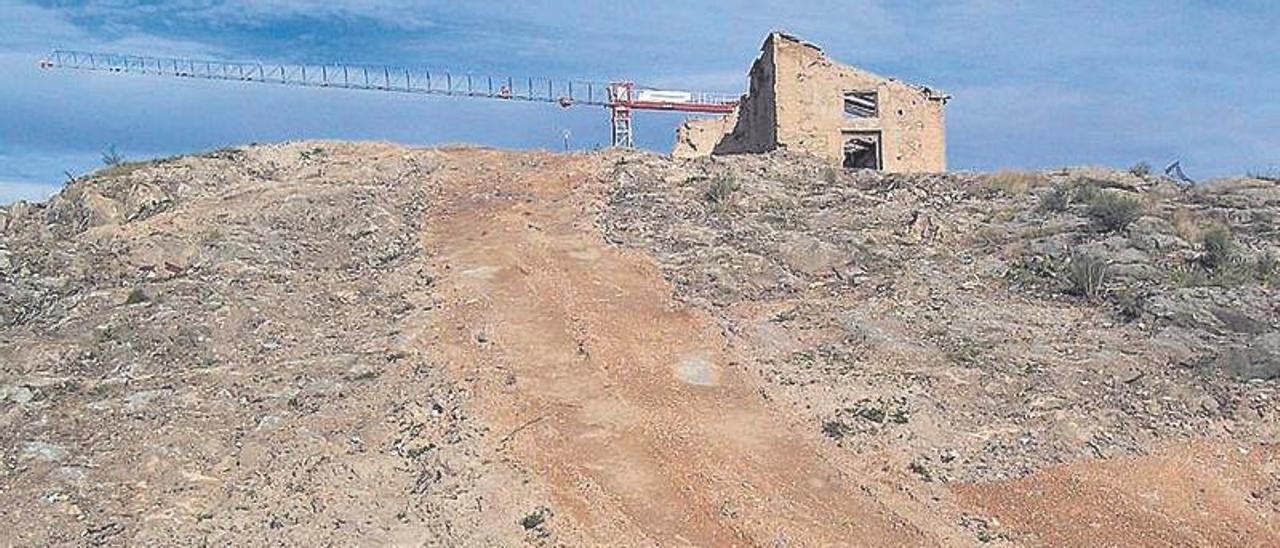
pixel 697 138
pixel 796 101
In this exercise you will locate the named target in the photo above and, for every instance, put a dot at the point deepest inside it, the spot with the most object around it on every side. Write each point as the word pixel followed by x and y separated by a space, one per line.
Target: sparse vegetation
pixel 1271 174
pixel 1185 224
pixel 1113 212
pixel 1219 248
pixel 1086 191
pixel 1013 183
pixel 1235 273
pixel 1031 271
pixel 1267 267
pixel 1128 304
pixel 225 153
pixel 313 153
pixel 882 410
pixel 719 191
pixel 834 429
pixel 1140 169
pixel 111 157
pixel 1057 198
pixel 921 470
pixel 116 165
pixel 137 296
pixel 1088 275
pixel 990 236
pixel 968 352
pixel 929 330
pixel 535 519
pixel 1188 275
pixel 829 175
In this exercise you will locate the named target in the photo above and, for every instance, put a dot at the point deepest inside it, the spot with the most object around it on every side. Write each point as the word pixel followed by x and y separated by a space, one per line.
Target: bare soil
pixel 334 343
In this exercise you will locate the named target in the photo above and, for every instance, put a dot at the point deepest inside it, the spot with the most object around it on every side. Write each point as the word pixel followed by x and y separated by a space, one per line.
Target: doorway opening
pixel 862 150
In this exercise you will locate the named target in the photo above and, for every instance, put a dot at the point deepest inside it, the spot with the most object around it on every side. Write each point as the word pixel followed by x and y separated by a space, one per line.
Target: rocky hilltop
pixel 336 343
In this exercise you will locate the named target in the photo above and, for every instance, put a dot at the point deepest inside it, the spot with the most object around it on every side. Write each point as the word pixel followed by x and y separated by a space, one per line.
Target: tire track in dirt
pixel 624 403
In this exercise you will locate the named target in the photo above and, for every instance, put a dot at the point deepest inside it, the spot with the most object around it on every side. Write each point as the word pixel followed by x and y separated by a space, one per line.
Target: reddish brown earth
pixel 628 405
pixel 1195 495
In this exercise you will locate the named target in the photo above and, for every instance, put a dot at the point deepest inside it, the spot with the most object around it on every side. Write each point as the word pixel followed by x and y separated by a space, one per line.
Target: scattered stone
pixel 21 394
pixel 44 451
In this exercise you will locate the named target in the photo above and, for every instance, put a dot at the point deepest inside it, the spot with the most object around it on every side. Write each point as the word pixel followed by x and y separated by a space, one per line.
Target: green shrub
pixel 111 158
pixel 881 410
pixel 1140 169
pixel 835 429
pixel 1056 199
pixel 534 519
pixel 313 153
pixel 1113 212
pixel 1219 247
pixel 137 296
pixel 1267 267
pixel 1086 191
pixel 719 191
pixel 1189 275
pixel 1088 274
pixel 921 470
pixel 1032 271
pixel 1234 273
pixel 1271 174
pixel 1129 304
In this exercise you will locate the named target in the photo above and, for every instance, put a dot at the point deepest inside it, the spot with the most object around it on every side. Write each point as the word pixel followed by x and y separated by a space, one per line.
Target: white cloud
pixel 257 13
pixel 25 27
pixel 29 28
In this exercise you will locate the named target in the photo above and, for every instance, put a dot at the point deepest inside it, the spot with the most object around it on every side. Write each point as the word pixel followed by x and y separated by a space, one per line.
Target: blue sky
pixel 1035 84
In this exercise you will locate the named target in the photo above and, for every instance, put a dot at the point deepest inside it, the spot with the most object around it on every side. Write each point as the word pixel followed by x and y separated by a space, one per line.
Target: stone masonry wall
pixel 796 102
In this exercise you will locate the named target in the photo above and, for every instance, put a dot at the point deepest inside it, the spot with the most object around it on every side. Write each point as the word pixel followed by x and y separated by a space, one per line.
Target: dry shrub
pixel 1140 169
pixel 1113 211
pixel 719 191
pixel 1014 183
pixel 1219 247
pixel 1056 199
pixel 1186 224
pixel 1268 267
pixel 1271 174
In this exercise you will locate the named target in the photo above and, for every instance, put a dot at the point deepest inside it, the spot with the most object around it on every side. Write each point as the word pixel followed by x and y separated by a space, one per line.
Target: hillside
pixel 336 343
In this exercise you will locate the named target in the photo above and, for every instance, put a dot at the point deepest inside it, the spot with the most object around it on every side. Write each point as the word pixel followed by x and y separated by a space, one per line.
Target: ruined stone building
pixel 800 100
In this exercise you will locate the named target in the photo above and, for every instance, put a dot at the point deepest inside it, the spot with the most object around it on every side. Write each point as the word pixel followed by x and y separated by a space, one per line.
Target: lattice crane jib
pixel 620 97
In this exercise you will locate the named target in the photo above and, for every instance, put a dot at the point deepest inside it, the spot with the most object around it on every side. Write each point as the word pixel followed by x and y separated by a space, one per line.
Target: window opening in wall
pixel 861 104
pixel 862 150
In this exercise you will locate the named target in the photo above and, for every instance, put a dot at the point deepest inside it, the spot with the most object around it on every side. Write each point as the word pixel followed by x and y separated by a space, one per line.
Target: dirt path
pixel 622 400
pixel 1196 495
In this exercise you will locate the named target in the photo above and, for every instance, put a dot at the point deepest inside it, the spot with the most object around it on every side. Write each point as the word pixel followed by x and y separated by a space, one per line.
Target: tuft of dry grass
pixel 1014 183
pixel 1088 275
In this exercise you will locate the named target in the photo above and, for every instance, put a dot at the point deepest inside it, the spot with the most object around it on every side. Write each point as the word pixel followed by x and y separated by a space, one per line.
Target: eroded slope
pixel 336 343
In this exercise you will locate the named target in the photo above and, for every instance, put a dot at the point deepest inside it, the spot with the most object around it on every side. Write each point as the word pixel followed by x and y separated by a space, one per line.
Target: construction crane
pixel 620 97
